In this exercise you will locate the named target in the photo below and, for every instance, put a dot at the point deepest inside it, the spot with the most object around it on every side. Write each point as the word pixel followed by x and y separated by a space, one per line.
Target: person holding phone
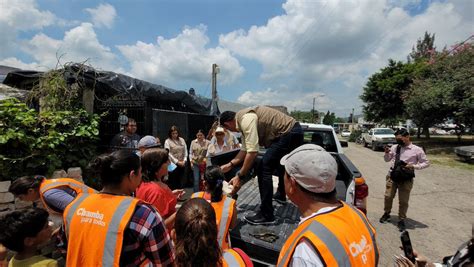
pixel 463 257
pixel 405 158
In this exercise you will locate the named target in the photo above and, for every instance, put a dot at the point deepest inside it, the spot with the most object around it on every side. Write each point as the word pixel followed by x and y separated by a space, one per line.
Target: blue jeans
pixel 196 176
pixel 271 163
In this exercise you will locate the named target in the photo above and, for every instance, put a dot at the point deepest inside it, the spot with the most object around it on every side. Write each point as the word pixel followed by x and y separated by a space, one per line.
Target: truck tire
pixel 374 147
pixel 365 143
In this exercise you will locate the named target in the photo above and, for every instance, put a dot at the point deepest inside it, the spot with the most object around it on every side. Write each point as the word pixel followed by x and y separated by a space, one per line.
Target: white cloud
pixel 19 16
pixel 284 96
pixel 183 58
pixel 79 44
pixel 14 62
pixel 103 15
pixel 342 42
pixel 24 15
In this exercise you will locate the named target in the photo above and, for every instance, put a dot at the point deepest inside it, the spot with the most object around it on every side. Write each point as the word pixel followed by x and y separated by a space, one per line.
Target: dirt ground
pixel 441 212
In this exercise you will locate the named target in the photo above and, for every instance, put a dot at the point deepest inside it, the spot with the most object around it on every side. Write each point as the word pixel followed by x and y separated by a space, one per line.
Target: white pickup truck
pixel 378 137
pixel 263 243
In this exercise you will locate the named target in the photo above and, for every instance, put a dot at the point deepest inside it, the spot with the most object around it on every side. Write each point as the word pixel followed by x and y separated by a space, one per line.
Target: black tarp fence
pixel 121 94
pixel 110 86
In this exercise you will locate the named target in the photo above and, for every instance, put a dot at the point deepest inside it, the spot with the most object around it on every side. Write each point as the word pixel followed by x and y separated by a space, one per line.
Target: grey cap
pixel 148 141
pixel 312 167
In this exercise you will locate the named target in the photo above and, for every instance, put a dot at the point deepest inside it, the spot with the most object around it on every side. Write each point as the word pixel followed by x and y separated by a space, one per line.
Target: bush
pixel 39 143
pixel 354 135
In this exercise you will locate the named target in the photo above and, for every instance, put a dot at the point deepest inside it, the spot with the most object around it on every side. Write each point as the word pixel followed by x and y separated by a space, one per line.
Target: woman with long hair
pixel 153 190
pixel 113 228
pixel 195 236
pixel 55 194
pixel 178 152
pixel 197 156
pixel 226 212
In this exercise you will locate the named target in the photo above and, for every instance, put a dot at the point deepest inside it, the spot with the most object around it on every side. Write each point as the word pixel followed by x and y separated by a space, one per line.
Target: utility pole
pixel 215 71
pixel 314 119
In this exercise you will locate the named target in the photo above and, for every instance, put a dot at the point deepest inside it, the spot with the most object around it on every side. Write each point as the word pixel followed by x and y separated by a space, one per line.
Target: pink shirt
pixel 410 154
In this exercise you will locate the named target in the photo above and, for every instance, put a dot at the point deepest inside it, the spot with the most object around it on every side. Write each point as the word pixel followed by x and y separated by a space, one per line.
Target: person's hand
pixel 420 260
pixel 3 256
pixel 235 182
pixel 226 167
pixel 180 163
pixel 178 193
pixel 402 261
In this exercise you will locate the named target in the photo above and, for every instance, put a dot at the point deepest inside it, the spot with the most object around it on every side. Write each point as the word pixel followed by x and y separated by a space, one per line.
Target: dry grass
pixel 440 150
pixel 450 160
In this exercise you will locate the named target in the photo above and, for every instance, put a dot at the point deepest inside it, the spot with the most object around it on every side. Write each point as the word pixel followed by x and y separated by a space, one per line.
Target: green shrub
pixel 39 143
pixel 354 135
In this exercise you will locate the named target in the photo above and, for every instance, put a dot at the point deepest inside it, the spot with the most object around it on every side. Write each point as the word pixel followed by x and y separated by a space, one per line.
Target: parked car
pixel 378 138
pixel 345 133
pixel 465 152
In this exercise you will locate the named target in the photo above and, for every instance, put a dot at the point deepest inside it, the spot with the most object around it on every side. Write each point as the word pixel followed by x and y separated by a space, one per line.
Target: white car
pixel 345 133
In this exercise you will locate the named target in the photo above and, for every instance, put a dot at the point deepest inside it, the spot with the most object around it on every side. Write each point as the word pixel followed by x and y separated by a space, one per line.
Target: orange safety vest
pixel 224 211
pixel 95 226
pixel 48 184
pixel 231 258
pixel 342 237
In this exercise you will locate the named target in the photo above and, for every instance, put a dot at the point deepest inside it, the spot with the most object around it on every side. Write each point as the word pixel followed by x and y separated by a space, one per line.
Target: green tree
pixel 384 93
pixel 329 118
pixel 424 49
pixel 445 90
pixel 340 120
pixel 305 116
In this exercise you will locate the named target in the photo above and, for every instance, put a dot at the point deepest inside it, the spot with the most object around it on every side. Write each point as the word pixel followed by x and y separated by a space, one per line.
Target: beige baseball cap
pixel 312 167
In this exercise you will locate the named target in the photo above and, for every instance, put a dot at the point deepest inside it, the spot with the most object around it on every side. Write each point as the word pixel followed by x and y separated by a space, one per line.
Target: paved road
pixel 441 212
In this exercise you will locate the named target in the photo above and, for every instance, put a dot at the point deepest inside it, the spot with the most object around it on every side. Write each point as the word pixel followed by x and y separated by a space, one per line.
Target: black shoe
pixel 385 218
pixel 279 198
pixel 401 225
pixel 259 219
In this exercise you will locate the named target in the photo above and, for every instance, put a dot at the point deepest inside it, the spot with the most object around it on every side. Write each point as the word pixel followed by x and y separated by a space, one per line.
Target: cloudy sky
pixel 269 51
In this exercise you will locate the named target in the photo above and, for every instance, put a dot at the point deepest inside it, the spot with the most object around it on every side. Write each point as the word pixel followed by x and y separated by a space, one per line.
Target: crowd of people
pixel 134 220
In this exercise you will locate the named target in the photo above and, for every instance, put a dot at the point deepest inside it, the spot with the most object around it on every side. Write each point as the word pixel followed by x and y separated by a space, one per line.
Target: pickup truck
pixel 350 187
pixel 378 137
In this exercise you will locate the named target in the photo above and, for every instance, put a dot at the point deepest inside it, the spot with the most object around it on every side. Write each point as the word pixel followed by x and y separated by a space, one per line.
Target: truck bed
pixel 287 217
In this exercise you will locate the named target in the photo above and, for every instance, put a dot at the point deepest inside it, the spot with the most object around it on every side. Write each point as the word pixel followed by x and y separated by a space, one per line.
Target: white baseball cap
pixel 312 167
pixel 148 141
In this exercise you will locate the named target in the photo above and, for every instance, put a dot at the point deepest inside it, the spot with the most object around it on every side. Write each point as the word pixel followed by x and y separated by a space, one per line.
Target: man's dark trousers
pixel 271 162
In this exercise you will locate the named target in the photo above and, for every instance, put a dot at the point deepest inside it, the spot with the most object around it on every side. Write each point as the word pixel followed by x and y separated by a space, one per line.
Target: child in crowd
pixel 224 207
pixel 24 231
pixel 195 236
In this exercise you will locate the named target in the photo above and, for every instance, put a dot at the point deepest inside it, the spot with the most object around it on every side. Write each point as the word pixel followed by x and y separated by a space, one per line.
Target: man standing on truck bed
pixel 405 157
pixel 274 130
pixel 331 232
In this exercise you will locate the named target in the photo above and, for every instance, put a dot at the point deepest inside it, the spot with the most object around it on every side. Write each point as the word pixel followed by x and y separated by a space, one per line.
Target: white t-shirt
pixel 305 255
